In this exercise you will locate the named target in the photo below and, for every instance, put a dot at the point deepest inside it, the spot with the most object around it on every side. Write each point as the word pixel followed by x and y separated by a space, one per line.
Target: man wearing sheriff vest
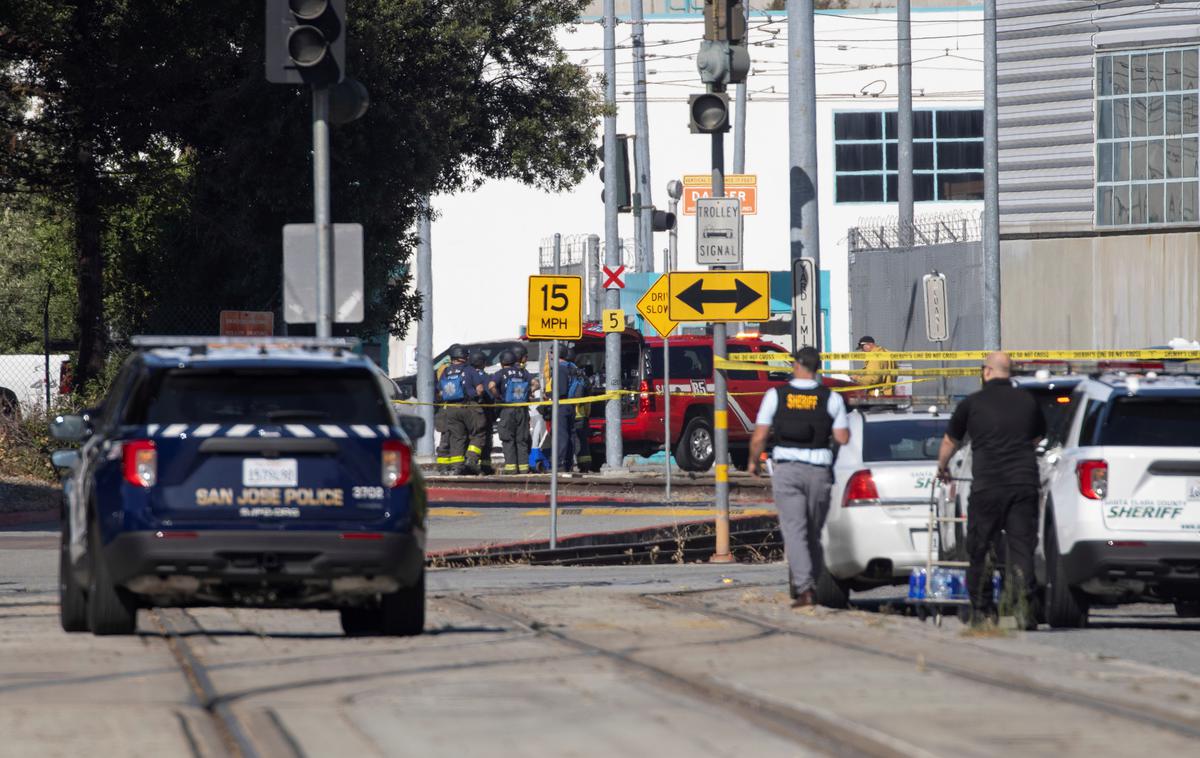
pixel 806 418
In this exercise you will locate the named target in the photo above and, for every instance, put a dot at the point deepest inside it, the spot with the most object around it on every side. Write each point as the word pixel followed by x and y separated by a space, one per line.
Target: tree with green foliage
pixel 150 128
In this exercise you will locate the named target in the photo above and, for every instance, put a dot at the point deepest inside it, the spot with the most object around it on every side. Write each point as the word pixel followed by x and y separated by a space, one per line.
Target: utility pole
pixel 321 213
pixel 739 123
pixel 991 185
pixel 805 233
pixel 670 263
pixel 904 120
pixel 593 276
pixel 425 393
pixel 613 453
pixel 642 220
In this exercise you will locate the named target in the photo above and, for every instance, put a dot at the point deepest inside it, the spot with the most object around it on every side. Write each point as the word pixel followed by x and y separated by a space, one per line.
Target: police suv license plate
pixel 269 472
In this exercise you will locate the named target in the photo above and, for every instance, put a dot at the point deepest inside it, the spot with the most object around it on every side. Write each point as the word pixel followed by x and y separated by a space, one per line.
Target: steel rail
pixel 1141 713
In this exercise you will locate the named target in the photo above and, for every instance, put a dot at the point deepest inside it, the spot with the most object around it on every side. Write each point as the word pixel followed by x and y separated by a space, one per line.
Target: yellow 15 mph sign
pixel 555 308
pixel 719 296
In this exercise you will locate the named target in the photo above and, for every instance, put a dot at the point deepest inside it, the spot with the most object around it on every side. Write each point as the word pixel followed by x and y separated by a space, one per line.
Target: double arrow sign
pixel 707 296
pixel 719 296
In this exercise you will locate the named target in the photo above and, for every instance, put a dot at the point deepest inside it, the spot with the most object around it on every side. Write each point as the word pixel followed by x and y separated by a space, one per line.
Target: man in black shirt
pixel 1004 425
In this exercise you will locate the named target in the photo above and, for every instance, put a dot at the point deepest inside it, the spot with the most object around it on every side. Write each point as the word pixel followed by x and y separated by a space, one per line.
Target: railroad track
pixel 176 625
pixel 808 727
pixel 952 663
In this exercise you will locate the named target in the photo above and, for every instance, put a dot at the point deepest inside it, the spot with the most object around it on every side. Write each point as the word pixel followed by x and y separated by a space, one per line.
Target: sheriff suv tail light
pixel 141 463
pixel 397 463
pixel 860 490
pixel 1093 478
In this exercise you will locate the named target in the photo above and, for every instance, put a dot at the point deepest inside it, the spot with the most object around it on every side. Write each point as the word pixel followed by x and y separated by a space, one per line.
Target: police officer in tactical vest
pixel 512 384
pixel 807 419
pixel 461 386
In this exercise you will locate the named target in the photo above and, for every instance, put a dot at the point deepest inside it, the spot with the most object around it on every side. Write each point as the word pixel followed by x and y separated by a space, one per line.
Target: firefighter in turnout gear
pixel 478 361
pixel 583 428
pixel 512 384
pixel 461 386
pixel 441 458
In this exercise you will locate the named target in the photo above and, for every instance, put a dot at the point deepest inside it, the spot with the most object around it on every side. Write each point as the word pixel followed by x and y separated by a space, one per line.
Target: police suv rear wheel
pixel 1066 607
pixel 72 602
pixel 403 612
pixel 110 609
pixel 695 449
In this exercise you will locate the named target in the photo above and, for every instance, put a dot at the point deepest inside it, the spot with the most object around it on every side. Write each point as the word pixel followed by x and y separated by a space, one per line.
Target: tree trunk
pixel 89 269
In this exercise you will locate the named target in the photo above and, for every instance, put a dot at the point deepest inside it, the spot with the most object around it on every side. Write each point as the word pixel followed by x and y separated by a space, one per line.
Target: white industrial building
pixel 485 243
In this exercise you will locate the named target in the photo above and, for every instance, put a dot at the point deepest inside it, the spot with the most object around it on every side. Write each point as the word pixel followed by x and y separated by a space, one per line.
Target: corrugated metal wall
pixel 1046 51
pixel 886 300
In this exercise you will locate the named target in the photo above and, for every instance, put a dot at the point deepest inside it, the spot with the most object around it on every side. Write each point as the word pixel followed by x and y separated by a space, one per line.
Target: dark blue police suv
pixel 269 472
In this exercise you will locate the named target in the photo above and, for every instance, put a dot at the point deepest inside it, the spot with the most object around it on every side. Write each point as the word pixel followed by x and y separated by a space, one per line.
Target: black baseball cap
pixel 865 339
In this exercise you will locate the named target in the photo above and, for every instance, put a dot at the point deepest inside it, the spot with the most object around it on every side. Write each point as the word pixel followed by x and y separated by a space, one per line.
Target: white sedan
pixel 877 528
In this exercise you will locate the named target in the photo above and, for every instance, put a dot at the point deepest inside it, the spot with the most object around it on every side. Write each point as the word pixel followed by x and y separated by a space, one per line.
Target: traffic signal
pixel 723 57
pixel 708 113
pixel 624 198
pixel 663 221
pixel 306 41
pixel 724 21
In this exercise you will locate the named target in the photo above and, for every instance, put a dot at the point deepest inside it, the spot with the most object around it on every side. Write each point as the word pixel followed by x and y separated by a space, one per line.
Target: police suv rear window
pixel 1153 422
pixel 260 396
pixel 904 440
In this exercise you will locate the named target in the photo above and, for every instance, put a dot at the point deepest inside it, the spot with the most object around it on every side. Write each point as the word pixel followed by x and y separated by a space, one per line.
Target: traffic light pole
pixel 324 228
pixel 425 378
pixel 720 399
pixel 643 218
pixel 804 230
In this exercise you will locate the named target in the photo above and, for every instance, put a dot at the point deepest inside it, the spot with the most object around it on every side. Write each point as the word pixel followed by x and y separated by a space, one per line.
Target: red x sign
pixel 615 278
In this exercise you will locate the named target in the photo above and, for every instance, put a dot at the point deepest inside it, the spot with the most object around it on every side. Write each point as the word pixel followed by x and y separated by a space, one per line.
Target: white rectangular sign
pixel 804 303
pixel 269 472
pixel 300 273
pixel 719 231
pixel 937 320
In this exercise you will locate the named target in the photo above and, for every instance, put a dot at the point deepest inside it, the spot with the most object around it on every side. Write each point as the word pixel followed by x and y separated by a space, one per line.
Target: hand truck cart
pixel 941 589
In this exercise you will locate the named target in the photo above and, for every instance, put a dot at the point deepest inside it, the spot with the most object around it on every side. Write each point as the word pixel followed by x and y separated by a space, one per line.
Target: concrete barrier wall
pixel 1125 291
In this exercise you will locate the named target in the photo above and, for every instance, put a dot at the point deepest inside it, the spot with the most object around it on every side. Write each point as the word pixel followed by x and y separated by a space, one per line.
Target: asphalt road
pixel 664 660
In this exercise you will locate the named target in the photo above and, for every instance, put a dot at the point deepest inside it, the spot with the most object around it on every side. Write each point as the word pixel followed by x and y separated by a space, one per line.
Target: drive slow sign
pixel 555 308
pixel 718 231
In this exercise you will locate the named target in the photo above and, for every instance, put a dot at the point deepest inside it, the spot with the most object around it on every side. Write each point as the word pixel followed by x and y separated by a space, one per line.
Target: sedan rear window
pixel 1153 422
pixel 915 439
pixel 260 396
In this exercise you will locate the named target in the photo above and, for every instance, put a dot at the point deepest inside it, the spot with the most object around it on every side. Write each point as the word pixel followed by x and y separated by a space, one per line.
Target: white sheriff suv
pixel 1121 504
pixel 878 524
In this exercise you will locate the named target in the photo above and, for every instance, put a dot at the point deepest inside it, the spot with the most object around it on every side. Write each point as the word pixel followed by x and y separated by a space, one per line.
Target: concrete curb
pixel 748 534
pixel 18 518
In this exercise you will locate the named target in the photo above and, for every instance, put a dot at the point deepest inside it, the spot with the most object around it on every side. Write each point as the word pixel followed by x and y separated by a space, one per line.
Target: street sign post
pixel 804 303
pixel 937 320
pixel 555 308
pixel 719 296
pixel 653 307
pixel 742 186
pixel 301 294
pixel 719 231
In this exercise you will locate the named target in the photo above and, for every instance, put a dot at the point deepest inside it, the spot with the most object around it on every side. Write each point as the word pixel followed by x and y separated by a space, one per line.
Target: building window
pixel 947 156
pixel 1146 137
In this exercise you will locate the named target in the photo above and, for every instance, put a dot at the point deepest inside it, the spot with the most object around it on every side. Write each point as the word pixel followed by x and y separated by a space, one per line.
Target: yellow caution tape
pixel 979 355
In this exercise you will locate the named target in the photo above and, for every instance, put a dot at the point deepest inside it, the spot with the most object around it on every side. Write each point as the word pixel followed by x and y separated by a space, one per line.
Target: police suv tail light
pixel 140 460
pixel 397 463
pixel 860 490
pixel 1093 478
